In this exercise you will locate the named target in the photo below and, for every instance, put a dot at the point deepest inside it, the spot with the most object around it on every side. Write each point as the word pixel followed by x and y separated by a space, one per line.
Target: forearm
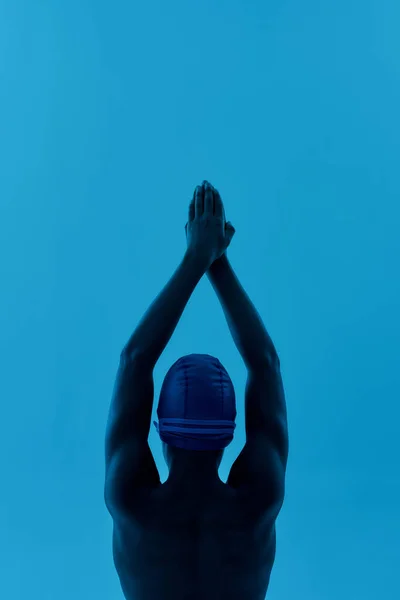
pixel 159 322
pixel 244 322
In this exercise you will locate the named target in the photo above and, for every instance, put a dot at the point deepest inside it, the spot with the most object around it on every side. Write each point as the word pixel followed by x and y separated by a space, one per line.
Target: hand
pixel 208 235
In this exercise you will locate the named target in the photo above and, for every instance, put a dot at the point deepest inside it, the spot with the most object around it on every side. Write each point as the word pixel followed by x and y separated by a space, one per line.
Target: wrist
pixel 197 261
pixel 218 264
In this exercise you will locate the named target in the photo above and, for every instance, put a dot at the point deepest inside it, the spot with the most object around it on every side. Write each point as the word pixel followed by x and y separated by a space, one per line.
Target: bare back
pixel 192 544
pixel 192 541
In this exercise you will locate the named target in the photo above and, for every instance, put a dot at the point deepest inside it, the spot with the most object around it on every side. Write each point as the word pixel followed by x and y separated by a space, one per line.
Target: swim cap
pixel 197 407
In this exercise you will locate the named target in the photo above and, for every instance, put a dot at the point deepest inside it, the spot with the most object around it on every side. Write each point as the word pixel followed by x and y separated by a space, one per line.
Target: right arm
pixel 262 463
pixel 245 324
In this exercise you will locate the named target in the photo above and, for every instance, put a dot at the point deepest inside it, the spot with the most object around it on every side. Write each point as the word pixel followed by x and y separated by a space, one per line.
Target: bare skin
pixel 196 537
pixel 202 542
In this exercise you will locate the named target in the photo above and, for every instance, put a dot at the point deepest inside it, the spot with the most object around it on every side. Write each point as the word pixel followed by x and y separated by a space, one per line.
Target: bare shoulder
pixel 260 469
pixel 189 514
pixel 221 505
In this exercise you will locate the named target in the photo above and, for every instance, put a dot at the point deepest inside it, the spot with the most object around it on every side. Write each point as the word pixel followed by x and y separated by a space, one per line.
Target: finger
pixel 198 200
pixel 192 208
pixel 208 199
pixel 219 210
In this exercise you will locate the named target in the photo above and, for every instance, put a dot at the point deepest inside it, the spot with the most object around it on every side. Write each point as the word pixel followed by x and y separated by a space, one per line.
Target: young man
pixel 195 537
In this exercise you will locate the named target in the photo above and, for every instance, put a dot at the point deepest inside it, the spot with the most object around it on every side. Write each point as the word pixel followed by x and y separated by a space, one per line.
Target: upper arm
pixel 261 466
pixel 130 465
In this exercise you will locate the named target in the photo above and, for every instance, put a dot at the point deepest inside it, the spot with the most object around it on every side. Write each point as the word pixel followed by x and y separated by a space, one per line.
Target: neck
pixel 194 471
pixel 193 482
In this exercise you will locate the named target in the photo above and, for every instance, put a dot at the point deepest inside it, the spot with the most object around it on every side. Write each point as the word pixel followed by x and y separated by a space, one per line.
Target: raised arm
pixel 130 465
pixel 160 320
pixel 245 324
pixel 260 467
pixel 129 462
pixel 206 241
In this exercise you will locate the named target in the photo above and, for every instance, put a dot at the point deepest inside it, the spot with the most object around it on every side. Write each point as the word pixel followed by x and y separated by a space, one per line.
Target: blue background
pixel 111 113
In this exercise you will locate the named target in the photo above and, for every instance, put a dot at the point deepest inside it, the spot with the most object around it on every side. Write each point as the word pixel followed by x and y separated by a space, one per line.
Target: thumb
pixel 229 231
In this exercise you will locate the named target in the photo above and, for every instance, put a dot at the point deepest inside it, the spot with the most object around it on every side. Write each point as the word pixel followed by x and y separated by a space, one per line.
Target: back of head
pixel 197 405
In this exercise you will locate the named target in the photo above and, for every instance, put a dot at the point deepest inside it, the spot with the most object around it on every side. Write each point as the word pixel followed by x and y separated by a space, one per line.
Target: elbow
pixel 266 359
pixel 271 356
pixel 133 355
pixel 129 355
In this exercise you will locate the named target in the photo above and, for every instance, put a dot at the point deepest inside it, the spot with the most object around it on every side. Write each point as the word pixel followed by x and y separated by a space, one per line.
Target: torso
pixel 195 544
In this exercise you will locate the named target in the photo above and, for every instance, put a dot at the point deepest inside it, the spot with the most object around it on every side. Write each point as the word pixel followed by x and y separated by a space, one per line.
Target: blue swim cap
pixel 197 406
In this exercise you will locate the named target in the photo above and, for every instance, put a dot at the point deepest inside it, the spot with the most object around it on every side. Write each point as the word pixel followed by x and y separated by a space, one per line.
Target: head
pixel 196 412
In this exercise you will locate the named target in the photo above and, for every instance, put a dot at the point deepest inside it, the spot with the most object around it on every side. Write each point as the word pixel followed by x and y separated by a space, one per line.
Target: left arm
pixel 159 322
pixel 129 462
